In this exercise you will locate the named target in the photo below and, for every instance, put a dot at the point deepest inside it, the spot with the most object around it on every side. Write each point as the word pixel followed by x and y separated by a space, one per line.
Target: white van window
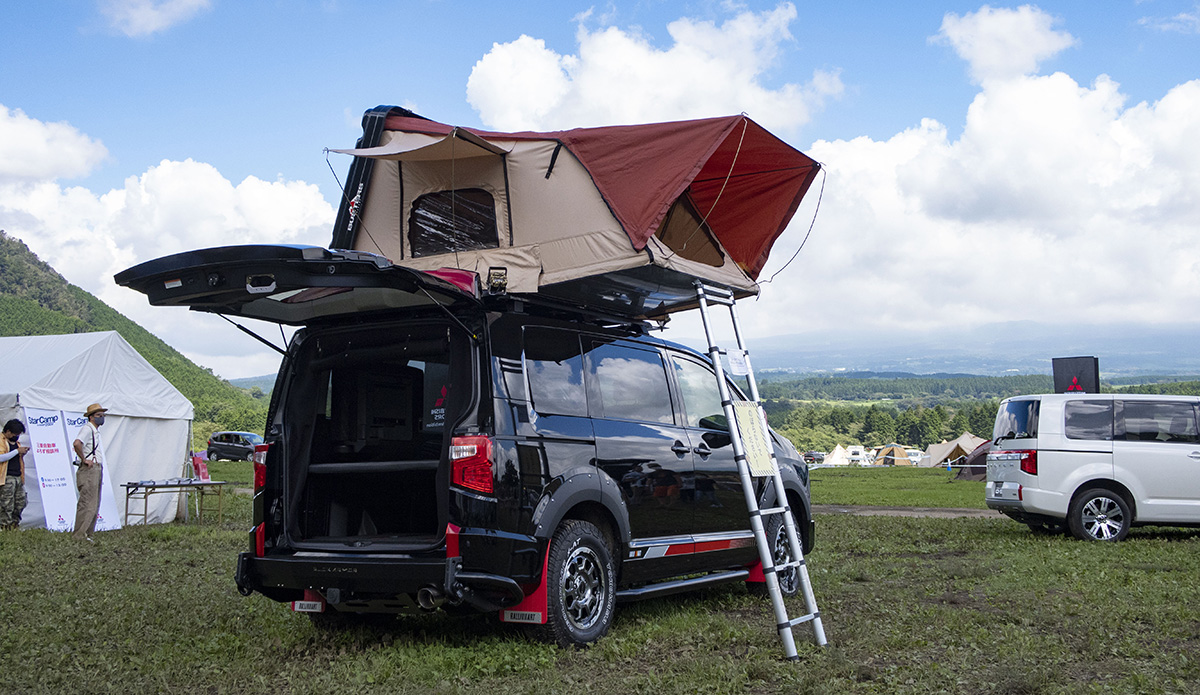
pixel 1089 420
pixel 1160 421
pixel 1016 419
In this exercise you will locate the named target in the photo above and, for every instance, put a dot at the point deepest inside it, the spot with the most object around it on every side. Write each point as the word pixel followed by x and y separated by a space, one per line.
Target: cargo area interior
pixel 373 410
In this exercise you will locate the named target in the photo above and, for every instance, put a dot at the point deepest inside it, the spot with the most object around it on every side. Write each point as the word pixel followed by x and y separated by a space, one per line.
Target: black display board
pixel 1076 375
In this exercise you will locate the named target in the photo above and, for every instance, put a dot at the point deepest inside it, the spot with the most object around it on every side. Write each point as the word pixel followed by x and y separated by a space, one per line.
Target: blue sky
pixel 1049 148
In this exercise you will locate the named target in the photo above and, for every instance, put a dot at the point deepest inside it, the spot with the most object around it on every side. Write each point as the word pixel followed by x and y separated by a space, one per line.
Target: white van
pixel 1096 464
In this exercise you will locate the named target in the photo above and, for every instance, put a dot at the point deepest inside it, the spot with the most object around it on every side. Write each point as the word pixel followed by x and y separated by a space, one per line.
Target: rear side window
pixel 629 383
pixel 1161 421
pixel 448 221
pixel 1089 420
pixel 554 364
pixel 1016 419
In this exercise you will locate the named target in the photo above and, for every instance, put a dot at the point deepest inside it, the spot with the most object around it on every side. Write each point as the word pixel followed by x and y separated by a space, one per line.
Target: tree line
pixel 822 426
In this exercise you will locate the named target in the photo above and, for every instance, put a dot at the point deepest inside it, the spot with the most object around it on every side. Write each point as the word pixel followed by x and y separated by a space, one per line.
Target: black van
pixel 429 443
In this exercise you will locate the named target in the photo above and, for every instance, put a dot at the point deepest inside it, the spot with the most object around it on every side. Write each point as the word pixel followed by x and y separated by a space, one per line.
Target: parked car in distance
pixel 431 444
pixel 814 456
pixel 1096 464
pixel 233 446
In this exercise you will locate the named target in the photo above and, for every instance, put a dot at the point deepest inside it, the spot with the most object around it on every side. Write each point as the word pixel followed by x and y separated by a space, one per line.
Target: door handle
pixel 1194 455
pixel 679 448
pixel 702 451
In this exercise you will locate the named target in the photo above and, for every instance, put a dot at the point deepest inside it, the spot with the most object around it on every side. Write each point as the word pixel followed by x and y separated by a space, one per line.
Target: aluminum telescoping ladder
pixel 756 457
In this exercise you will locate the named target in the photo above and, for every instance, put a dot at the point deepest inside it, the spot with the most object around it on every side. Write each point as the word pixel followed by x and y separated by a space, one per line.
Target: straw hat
pixel 93 409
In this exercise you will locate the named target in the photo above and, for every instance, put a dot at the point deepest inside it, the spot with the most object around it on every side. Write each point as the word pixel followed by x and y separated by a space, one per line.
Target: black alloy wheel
pixel 581 587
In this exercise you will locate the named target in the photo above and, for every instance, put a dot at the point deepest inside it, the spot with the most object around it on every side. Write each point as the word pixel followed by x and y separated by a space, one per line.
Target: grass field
pixel 894 487
pixel 910 606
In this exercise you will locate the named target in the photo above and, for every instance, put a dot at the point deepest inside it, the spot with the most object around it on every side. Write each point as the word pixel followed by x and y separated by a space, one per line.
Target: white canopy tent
pixel 837 457
pixel 148 424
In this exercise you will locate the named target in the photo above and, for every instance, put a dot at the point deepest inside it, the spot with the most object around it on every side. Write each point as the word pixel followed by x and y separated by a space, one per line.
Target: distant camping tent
pixel 974 466
pixel 858 455
pixel 147 428
pixel 938 454
pixel 893 455
pixel 622 218
pixel 837 457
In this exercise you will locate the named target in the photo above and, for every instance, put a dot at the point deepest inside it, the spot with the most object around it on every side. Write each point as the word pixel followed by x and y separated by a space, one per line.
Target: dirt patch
pixel 922 512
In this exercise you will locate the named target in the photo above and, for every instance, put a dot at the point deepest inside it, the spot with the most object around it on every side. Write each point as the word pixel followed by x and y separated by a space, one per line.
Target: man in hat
pixel 12 475
pixel 90 452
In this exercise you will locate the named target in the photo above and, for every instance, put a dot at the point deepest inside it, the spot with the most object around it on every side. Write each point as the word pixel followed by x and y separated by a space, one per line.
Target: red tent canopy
pixel 744 180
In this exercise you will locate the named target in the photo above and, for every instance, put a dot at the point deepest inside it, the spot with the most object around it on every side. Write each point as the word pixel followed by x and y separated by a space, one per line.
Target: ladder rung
pixel 718 291
pixel 798 621
pixel 772 510
pixel 783 567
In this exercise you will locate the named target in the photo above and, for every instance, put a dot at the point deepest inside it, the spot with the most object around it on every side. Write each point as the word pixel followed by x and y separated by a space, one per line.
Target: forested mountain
pixel 36 300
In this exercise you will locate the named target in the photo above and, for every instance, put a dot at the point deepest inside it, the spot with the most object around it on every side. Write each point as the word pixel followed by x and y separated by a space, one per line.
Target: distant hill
pixel 1019 347
pixel 36 300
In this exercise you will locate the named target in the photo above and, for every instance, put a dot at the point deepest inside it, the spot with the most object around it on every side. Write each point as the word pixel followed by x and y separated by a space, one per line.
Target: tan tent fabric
pixel 892 455
pixel 938 454
pixel 837 457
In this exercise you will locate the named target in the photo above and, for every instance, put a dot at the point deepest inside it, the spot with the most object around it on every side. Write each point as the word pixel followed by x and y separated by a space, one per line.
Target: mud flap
pixel 534 608
pixel 756 574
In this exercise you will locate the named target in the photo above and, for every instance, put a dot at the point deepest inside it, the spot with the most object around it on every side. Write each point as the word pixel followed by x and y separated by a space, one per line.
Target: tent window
pixel 684 232
pixel 448 221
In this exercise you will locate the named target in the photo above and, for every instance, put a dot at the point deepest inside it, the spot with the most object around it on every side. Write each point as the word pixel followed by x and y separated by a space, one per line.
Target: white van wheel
pixel 1099 514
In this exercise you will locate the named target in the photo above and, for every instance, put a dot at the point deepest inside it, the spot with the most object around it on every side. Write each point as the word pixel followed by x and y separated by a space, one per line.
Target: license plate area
pixel 308 606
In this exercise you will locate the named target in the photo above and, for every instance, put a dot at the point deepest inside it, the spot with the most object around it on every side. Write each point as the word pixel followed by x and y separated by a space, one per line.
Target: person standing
pixel 12 475
pixel 90 452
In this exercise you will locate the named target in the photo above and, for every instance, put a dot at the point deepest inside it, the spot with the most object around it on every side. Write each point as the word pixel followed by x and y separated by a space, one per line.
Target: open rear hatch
pixel 367 407
pixel 294 285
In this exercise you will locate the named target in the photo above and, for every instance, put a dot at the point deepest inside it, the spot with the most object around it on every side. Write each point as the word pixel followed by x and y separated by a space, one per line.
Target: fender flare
pixel 592 486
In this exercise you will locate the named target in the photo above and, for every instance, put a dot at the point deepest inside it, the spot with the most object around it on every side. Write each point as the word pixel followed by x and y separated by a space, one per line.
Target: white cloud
pixel 1183 23
pixel 31 150
pixel 620 76
pixel 1058 203
pixel 171 207
pixel 144 17
pixel 1003 43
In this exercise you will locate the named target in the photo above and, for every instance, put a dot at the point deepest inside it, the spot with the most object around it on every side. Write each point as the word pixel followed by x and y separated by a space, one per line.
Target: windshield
pixel 1016 420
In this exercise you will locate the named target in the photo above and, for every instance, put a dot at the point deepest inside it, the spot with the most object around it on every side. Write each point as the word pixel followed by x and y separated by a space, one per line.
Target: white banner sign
pixel 51 456
pixel 108 518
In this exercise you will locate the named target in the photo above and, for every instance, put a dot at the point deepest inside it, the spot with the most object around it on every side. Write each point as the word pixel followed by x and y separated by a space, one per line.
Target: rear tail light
pixel 471 463
pixel 260 466
pixel 1026 459
pixel 260 540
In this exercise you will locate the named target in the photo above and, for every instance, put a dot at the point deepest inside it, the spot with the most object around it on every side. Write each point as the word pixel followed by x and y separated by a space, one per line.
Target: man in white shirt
pixel 90 452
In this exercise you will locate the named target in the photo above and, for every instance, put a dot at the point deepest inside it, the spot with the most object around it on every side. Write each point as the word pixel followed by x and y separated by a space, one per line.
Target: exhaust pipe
pixel 429 598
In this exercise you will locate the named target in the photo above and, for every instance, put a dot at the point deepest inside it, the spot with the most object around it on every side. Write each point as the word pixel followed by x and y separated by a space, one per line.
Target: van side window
pixel 1089 420
pixel 1160 421
pixel 701 398
pixel 457 220
pixel 630 383
pixel 554 365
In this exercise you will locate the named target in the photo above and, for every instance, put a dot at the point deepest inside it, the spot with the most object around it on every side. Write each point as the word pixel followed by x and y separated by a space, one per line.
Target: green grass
pixel 239 472
pixel 909 605
pixel 899 486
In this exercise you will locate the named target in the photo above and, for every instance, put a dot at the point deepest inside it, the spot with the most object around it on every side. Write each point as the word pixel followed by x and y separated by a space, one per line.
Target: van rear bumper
pixel 285 577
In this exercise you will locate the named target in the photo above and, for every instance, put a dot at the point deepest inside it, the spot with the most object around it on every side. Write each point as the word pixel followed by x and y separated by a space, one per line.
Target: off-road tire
pixel 1099 514
pixel 581 586
pixel 789 579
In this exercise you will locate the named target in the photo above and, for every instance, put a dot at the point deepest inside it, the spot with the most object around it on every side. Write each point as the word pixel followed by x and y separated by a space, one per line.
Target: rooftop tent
pixel 620 217
pixel 148 424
